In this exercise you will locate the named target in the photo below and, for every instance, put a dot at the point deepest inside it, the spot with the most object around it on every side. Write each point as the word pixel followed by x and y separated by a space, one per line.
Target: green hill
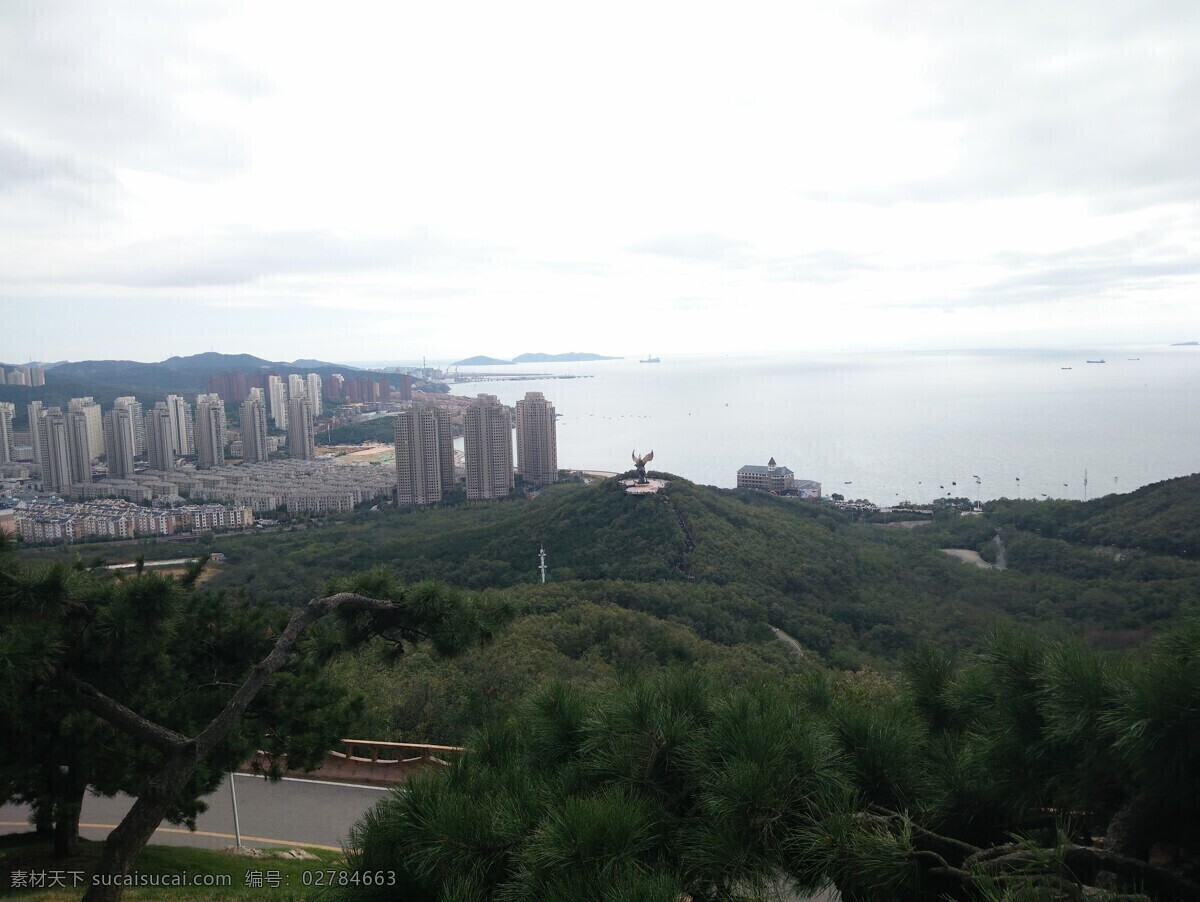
pixel 1163 518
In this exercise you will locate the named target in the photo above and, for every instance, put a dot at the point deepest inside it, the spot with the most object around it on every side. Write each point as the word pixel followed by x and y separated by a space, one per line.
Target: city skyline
pixel 997 175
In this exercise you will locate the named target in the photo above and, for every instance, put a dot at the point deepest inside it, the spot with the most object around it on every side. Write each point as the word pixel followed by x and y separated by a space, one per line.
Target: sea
pixel 887 427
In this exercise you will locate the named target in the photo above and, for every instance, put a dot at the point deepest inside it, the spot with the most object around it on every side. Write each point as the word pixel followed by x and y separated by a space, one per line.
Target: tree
pixel 655 788
pixel 161 683
pixel 944 789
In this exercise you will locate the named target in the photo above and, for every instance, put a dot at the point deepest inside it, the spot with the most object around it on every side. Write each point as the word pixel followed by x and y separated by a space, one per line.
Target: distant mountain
pixel 569 357
pixel 316 364
pixel 108 379
pixel 481 360
pixel 211 360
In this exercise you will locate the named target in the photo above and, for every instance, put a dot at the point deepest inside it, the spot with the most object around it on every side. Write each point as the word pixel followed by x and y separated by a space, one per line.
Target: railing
pixel 383 752
pixel 370 761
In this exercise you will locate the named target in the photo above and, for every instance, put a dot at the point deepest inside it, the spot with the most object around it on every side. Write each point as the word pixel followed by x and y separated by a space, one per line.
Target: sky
pixel 366 181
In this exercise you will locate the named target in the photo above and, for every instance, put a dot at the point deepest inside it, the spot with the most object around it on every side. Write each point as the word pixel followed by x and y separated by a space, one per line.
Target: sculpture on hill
pixel 640 463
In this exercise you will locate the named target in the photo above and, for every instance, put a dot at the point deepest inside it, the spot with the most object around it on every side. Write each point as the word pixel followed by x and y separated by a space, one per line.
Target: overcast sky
pixel 369 181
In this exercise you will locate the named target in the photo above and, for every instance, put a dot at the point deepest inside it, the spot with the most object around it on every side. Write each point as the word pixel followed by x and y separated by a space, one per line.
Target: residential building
pixel 34 412
pixel 537 443
pixel 487 437
pixel 79 432
pixel 7 411
pixel 313 391
pixel 182 428
pixel 301 439
pixel 277 394
pixel 160 446
pixel 120 442
pixel 254 429
pixel 95 422
pixel 424 455
pixel 139 422
pixel 210 431
pixel 54 446
pixel 297 387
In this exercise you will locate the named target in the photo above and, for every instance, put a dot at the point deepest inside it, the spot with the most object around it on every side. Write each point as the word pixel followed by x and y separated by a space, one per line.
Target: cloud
pixel 1090 98
pixel 20 168
pixel 241 256
pixel 120 85
pixel 697 248
pixel 1122 269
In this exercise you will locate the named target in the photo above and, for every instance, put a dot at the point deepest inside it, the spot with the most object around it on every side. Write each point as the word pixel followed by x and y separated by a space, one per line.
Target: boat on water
pixel 650 359
pixel 1065 367
pixel 1096 361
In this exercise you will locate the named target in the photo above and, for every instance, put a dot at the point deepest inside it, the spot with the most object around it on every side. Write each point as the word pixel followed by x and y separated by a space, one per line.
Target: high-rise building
pixel 160 440
pixel 139 421
pixel 487 437
pixel 424 454
pixel 95 422
pixel 79 434
pixel 277 393
pixel 297 387
pixel 334 390
pixel 119 442
pixel 313 390
pixel 34 412
pixel 16 376
pixel 7 411
pixel 55 444
pixel 37 374
pixel 182 427
pixel 210 431
pixel 537 442
pixel 301 440
pixel 254 428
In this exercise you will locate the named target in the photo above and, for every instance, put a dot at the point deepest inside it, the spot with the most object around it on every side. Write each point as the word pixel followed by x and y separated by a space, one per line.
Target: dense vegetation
pixel 988 730
pixel 986 778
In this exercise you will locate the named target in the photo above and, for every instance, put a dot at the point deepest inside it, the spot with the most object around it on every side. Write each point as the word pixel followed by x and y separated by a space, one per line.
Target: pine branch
pixel 129 721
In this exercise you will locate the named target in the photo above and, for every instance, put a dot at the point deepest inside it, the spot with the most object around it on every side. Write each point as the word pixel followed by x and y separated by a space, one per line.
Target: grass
pixel 221 875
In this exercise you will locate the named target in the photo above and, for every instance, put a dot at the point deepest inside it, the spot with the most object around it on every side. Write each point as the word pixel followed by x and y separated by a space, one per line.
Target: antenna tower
pixel 1085 483
pixel 542 565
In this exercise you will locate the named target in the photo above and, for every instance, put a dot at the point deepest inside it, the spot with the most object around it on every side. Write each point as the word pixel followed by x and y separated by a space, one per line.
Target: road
pixel 289 813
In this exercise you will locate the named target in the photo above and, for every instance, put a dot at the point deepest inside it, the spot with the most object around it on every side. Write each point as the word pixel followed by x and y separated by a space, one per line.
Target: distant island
pixel 1185 344
pixel 569 357
pixel 481 360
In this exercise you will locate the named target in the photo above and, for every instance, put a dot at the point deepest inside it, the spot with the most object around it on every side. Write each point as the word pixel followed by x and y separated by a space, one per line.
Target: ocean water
pixel 888 427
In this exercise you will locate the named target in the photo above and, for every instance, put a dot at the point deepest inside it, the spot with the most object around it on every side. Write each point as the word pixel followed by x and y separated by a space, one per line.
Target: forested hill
pixel 728 563
pixel 1163 518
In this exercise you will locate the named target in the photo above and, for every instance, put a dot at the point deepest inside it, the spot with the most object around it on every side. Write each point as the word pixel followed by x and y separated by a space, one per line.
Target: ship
pixel 1096 361
pixel 650 359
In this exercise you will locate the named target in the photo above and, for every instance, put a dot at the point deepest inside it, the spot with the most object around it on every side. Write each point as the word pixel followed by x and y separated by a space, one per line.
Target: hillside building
pixel 537 443
pixel 424 455
pixel 487 441
pixel 771 478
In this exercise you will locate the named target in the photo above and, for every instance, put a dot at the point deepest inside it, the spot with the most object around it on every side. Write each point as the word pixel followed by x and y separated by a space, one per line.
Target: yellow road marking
pixel 277 842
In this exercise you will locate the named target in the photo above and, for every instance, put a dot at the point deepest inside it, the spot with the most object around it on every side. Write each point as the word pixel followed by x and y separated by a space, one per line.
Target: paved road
pixel 289 813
